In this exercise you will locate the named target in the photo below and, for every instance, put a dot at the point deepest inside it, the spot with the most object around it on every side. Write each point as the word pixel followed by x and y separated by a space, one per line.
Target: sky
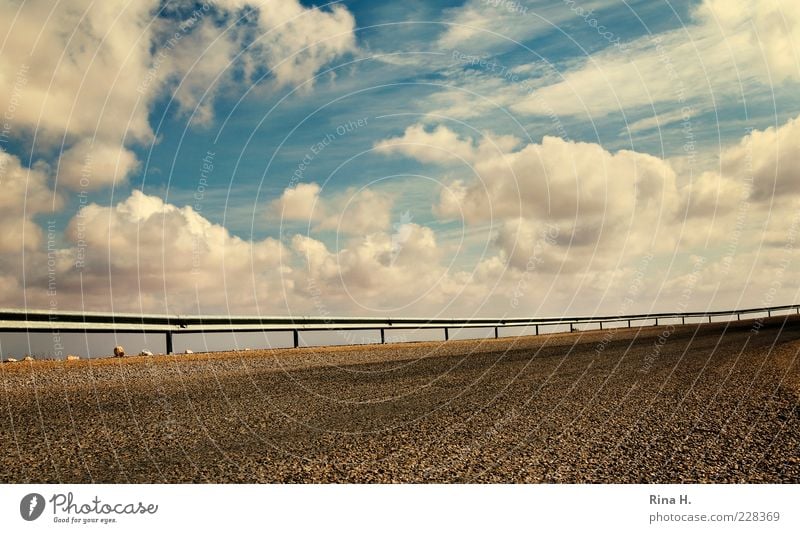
pixel 435 159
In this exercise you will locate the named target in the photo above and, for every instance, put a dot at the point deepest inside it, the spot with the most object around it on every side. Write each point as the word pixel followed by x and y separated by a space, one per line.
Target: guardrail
pixel 43 321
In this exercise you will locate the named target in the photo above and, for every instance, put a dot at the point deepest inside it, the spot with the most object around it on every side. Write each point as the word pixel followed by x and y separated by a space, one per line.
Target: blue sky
pixel 454 136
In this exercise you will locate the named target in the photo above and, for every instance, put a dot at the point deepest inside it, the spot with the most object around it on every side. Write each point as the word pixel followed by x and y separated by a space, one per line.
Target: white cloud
pixel 84 73
pixel 358 211
pixel 482 24
pixel 757 32
pixel 295 41
pixel 441 145
pixel 577 219
pixel 729 46
pixel 25 195
pixel 373 274
pixel 554 180
pixel 657 121
pixel 770 158
pixel 353 211
pixel 298 203
pixel 143 253
pixel 75 68
pixel 87 166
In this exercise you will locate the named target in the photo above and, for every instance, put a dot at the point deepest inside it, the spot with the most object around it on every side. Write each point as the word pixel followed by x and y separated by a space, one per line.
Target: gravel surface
pixel 713 403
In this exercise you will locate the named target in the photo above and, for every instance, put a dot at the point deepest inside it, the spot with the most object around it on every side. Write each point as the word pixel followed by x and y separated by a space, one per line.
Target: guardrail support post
pixel 629 323
pixel 496 335
pixel 383 336
pixel 169 342
pixel 769 313
pixel 296 338
pixel 446 336
pixel 683 320
pixel 709 319
pixel 537 329
pixel 656 321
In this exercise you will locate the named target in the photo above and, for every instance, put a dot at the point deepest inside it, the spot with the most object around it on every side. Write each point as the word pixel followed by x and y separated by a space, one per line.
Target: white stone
pixel 10 360
pixel 73 357
pixel 146 352
pixel 188 351
pixel 28 358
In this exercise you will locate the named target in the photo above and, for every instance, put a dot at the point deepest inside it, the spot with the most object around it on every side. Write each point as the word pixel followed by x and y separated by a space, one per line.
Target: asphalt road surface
pixel 715 403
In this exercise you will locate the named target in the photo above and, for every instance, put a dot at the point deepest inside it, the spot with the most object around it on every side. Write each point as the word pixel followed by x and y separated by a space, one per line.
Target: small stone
pixel 119 351
pixel 28 358
pixel 72 357
pixel 10 360
pixel 188 351
pixel 145 353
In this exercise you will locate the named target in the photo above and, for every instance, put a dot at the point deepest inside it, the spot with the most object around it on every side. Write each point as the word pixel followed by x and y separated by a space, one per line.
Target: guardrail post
pixel 769 313
pixel 683 320
pixel 629 323
pixel 738 316
pixel 537 329
pixel 496 335
pixel 601 326
pixel 383 336
pixel 169 342
pixel 446 336
pixel 296 338
pixel 656 321
pixel 709 319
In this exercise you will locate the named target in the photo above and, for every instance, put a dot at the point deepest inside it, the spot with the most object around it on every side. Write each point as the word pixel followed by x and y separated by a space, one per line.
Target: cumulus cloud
pixel 93 166
pixel 555 180
pixel 298 41
pixel 26 194
pixel 353 211
pixel 579 219
pixel 374 273
pixel 73 68
pixel 298 203
pixel 86 74
pixel 143 253
pixel 441 144
pixel 769 158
